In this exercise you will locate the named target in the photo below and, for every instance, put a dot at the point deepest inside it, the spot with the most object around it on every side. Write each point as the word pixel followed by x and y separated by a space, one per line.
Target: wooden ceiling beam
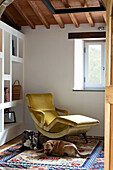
pixel 8 21
pixel 22 13
pixel 11 19
pixel 59 20
pixel 90 19
pixel 71 15
pixel 104 15
pixel 42 18
pixel 72 10
pixel 86 35
pixel 39 14
pixel 88 15
pixel 104 2
pixel 74 20
pixel 66 4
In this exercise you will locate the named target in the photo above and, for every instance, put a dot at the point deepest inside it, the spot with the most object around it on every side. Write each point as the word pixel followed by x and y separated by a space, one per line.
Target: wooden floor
pixel 13 141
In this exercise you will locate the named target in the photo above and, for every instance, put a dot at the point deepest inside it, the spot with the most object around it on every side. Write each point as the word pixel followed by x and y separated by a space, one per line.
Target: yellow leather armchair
pixel 50 123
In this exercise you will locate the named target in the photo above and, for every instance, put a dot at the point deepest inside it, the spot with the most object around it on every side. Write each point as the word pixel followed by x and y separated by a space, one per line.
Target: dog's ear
pixel 24 132
pixel 52 144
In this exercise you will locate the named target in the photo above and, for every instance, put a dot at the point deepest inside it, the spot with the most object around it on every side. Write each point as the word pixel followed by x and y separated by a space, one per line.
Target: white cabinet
pixel 11 69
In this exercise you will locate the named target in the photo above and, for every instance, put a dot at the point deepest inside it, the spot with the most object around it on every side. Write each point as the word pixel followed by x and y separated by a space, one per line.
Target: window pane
pixel 94 64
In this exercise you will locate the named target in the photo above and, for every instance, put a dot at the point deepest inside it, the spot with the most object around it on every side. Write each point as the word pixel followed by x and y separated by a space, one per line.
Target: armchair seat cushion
pixel 80 120
pixel 61 122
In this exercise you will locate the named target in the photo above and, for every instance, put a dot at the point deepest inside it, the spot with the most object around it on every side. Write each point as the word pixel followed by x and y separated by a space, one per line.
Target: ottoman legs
pixel 84 135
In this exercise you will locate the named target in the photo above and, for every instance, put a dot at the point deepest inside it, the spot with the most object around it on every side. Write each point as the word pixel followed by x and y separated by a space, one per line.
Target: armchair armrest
pixel 62 111
pixel 41 113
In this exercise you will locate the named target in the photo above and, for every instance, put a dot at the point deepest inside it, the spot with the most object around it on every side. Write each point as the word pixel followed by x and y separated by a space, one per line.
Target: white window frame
pixel 80 78
pixel 78 64
pixel 88 86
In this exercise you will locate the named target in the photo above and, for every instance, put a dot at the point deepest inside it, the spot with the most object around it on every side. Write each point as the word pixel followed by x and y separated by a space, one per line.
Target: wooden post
pixel 108 160
pixel 111 118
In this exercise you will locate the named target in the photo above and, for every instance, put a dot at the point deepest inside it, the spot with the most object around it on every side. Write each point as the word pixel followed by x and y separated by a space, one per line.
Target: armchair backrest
pixel 40 101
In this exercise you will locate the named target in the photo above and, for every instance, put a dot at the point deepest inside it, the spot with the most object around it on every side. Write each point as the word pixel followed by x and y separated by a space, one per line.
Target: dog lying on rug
pixel 61 148
pixel 29 140
pixel 51 147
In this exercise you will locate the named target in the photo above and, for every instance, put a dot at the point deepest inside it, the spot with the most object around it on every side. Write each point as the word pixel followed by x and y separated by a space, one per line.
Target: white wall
pixel 49 68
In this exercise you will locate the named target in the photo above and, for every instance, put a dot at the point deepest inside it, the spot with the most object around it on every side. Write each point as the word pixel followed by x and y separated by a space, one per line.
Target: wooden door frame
pixel 108 147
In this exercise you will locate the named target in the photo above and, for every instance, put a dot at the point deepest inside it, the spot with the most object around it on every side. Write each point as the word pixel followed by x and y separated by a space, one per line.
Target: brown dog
pixel 61 148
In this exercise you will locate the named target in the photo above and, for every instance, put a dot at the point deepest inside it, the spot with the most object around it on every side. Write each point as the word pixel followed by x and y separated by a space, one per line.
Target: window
pixel 89 65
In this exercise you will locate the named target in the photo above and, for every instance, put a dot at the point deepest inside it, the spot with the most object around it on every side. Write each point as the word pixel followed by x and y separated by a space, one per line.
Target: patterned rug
pixel 99 161
pixel 30 159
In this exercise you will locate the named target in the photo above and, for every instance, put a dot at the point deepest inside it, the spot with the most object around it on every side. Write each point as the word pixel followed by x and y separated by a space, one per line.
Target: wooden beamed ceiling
pixel 34 12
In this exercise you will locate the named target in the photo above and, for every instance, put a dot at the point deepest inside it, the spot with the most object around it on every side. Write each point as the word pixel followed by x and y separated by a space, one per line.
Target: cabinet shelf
pixel 7 77
pixel 10 131
pixel 11 125
pixel 1 54
pixel 11 104
pixel 17 59
pixel 16 102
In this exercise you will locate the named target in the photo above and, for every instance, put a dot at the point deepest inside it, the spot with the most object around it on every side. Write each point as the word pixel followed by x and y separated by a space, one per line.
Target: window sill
pixel 88 90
